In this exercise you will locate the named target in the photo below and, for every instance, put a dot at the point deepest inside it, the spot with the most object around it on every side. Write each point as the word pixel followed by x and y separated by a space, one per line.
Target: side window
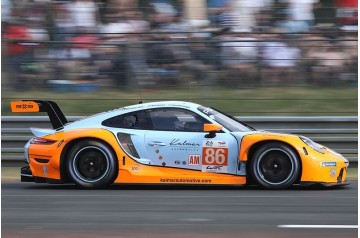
pixel 174 119
pixel 132 120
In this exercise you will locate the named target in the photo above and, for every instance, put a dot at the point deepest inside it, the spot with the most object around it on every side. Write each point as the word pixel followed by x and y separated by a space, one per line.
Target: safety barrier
pixel 338 133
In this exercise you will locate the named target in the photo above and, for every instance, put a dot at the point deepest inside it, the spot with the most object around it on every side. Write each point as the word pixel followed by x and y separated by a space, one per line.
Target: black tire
pixel 274 166
pixel 92 164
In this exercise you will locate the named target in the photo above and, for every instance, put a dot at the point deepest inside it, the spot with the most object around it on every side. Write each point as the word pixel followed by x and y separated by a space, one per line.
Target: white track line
pixel 320 226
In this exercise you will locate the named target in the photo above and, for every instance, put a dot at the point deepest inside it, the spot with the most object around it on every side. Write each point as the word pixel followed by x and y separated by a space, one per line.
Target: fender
pixel 249 140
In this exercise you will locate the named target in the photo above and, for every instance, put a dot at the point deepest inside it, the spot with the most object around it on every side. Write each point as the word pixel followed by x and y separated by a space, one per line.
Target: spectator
pixel 162 62
pixel 84 14
pixel 124 62
pixel 177 26
pixel 289 26
pixel 18 51
pixel 115 28
pixel 63 29
pixel 245 12
pixel 328 62
pixel 302 11
pixel 202 62
pixel 239 51
pixel 162 13
pixel 136 21
pixel 64 26
pixel 6 6
pixel 347 12
pixel 280 60
pixel 215 9
pixel 40 37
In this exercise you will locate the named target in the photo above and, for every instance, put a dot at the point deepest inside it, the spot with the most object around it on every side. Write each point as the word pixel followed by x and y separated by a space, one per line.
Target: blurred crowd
pixel 125 43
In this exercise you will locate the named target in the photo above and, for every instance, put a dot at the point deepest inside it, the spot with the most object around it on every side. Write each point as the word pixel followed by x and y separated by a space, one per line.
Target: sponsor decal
pixel 328 164
pixel 135 169
pixel 215 144
pixel 207 110
pixel 222 144
pixel 184 162
pixel 188 149
pixel 214 169
pixel 332 173
pixel 178 105
pixel 177 162
pixel 214 156
pixel 132 107
pixel 183 143
pixel 194 160
pixel 182 180
pixel 24 106
pixel 209 143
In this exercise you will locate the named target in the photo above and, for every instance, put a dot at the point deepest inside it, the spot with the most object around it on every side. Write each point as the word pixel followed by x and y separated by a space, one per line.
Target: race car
pixel 171 142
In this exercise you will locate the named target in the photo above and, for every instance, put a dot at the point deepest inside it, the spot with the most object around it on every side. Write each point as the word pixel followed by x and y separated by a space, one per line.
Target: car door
pixel 177 140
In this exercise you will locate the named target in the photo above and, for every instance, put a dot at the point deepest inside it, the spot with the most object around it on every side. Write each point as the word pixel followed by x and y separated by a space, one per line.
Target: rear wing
pixel 56 116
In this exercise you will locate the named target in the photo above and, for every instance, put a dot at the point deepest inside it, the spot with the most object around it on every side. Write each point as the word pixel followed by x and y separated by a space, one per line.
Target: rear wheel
pixel 91 164
pixel 275 166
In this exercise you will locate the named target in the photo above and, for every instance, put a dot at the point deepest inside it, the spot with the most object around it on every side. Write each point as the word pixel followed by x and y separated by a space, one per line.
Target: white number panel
pixel 215 156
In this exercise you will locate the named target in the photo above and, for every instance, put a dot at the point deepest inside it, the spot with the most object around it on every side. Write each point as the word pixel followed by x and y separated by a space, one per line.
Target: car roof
pixel 98 118
pixel 159 104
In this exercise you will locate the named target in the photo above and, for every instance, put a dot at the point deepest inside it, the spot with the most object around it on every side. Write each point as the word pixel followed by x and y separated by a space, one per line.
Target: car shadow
pixel 177 187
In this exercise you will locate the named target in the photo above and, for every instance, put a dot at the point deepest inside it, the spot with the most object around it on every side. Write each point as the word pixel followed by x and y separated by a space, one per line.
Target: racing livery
pixel 171 142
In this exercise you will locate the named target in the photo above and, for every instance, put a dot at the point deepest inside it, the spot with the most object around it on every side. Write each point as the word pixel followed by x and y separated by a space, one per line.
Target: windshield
pixel 227 121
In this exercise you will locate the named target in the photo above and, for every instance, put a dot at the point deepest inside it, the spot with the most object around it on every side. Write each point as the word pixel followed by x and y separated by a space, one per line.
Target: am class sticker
pixel 194 160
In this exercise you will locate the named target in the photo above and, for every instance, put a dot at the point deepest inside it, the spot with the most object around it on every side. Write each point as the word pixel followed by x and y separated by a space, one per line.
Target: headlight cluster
pixel 312 144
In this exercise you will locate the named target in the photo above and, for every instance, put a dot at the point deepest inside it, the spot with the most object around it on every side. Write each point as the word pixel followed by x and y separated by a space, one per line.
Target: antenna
pixel 138 85
pixel 191 83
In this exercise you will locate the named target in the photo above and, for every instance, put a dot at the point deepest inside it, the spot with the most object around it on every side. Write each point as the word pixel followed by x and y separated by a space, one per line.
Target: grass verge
pixel 276 101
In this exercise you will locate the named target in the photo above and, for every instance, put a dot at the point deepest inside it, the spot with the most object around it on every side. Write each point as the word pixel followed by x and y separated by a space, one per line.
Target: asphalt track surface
pixel 37 210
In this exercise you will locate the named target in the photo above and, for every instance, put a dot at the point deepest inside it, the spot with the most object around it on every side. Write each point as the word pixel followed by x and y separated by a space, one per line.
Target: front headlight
pixel 312 144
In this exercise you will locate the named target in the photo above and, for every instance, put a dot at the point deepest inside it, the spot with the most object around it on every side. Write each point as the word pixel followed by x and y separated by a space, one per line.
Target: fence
pixel 338 133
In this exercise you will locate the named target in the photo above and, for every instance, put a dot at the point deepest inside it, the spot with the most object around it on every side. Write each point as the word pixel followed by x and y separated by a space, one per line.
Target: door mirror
pixel 212 129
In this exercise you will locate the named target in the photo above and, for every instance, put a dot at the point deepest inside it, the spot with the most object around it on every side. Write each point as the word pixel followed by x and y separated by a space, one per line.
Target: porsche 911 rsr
pixel 171 142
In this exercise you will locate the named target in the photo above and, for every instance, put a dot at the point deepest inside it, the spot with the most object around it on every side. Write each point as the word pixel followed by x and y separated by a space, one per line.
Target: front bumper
pixel 328 185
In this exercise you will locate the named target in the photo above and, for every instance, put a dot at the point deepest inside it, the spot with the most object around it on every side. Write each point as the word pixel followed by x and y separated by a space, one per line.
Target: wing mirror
pixel 212 129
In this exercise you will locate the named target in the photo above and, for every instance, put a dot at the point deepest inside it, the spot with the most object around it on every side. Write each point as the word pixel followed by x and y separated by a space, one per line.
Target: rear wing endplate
pixel 56 116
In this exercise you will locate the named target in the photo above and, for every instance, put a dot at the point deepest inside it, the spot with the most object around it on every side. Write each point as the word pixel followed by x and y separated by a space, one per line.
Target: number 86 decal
pixel 214 156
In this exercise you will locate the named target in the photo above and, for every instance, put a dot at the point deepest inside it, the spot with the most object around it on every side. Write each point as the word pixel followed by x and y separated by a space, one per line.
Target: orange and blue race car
pixel 171 142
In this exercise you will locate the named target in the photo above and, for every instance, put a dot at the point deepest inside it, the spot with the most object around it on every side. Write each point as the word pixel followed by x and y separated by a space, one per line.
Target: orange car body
pixel 47 160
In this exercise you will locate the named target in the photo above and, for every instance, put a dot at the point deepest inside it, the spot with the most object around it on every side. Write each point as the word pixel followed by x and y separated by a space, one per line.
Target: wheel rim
pixel 91 164
pixel 275 166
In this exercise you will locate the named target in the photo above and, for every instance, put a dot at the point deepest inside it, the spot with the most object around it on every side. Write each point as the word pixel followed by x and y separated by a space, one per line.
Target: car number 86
pixel 215 156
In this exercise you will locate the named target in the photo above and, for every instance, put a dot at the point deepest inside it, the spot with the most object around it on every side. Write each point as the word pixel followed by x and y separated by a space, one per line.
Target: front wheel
pixel 275 166
pixel 91 164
